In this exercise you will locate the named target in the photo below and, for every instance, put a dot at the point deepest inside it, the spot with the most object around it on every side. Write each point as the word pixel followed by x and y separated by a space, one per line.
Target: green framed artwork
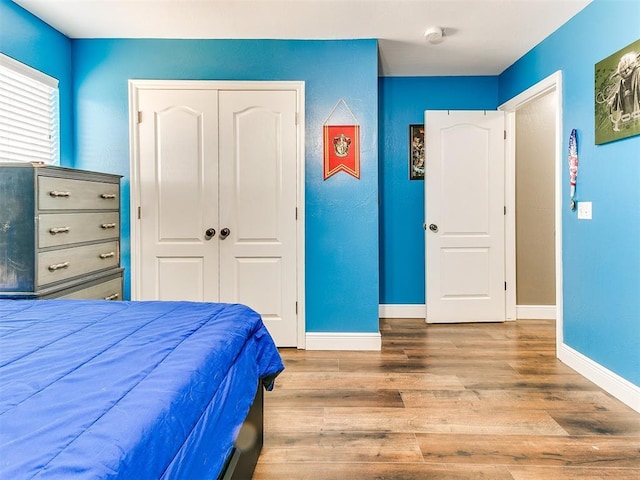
pixel 617 95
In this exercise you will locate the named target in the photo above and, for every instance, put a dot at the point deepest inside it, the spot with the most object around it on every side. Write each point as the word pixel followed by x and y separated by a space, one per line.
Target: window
pixel 29 114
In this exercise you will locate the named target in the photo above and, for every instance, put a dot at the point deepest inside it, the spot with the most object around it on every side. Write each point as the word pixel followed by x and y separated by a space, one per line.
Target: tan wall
pixel 535 242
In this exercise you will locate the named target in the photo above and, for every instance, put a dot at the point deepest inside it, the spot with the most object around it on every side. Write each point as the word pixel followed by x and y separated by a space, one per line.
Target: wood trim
pixel 536 312
pixel 343 341
pixel 415 310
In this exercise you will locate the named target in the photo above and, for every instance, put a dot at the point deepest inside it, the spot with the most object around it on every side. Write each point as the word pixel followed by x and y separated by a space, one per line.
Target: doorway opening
pixel 550 85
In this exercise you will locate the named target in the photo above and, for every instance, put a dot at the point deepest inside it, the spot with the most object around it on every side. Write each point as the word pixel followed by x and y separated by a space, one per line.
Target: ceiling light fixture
pixel 434 35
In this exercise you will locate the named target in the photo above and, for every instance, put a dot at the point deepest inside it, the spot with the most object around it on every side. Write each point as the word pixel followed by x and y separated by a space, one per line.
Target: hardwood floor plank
pixel 572 473
pixel 338 398
pixel 366 381
pixel 292 419
pixel 599 423
pixel 342 447
pixel 584 451
pixel 446 419
pixel 526 382
pixel 379 471
pixel 450 367
pixel 550 400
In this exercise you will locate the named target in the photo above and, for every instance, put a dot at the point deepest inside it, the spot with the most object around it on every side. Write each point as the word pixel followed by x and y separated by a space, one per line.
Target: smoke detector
pixel 434 35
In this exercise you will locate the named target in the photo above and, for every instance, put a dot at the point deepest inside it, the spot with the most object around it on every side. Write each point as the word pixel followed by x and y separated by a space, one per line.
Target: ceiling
pixel 481 37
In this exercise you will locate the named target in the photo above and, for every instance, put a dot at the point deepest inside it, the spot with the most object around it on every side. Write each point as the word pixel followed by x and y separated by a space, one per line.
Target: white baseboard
pixel 622 389
pixel 536 312
pixel 415 310
pixel 343 341
pixel 530 312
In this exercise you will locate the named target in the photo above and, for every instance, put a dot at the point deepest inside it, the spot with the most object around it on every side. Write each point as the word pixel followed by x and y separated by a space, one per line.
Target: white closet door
pixel 258 169
pixel 178 175
pixel 222 160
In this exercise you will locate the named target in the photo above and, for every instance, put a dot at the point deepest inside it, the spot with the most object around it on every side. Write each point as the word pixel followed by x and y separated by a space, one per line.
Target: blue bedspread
pixel 95 389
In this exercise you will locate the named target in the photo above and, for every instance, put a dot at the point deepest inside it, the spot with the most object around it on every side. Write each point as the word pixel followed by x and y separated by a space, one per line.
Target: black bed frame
pixel 242 462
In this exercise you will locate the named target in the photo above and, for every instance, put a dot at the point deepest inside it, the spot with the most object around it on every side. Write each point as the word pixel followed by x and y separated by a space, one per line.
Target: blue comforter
pixel 95 389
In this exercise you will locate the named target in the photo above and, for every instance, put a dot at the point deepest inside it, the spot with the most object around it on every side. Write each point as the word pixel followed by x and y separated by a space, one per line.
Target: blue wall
pixel 341 213
pixel 601 257
pixel 29 40
pixel 403 101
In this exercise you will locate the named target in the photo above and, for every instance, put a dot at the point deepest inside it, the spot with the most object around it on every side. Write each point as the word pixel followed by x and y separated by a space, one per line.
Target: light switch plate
pixel 584 210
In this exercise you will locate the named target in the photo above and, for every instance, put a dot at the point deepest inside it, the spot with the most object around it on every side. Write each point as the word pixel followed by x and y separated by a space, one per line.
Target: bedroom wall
pixel 341 212
pixel 601 258
pixel 403 101
pixel 29 40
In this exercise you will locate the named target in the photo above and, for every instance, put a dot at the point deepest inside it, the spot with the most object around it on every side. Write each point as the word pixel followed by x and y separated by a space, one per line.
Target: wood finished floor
pixel 469 401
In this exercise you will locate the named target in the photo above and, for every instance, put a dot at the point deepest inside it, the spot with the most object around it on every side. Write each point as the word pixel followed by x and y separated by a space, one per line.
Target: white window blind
pixel 29 114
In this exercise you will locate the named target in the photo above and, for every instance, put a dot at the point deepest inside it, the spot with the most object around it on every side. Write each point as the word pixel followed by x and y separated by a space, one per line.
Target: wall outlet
pixel 584 210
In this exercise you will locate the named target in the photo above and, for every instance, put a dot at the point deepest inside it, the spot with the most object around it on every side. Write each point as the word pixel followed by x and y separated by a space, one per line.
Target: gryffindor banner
pixel 341 141
pixel 341 150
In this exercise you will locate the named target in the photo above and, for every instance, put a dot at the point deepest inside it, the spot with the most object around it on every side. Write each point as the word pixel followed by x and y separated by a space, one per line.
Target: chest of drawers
pixel 59 233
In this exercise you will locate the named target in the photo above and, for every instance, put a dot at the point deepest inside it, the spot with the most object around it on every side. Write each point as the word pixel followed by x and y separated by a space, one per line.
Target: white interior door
pixel 178 195
pixel 258 157
pixel 464 209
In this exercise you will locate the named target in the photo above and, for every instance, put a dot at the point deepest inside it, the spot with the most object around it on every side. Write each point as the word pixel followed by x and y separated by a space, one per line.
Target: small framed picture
pixel 416 152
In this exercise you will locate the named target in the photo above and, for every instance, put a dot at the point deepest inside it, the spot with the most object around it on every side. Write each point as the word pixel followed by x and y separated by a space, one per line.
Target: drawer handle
pixel 108 225
pixel 108 196
pixel 112 297
pixel 56 194
pixel 58 266
pixel 56 230
pixel 107 255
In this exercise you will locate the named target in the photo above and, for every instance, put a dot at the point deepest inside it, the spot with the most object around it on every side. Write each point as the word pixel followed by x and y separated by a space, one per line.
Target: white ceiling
pixel 482 37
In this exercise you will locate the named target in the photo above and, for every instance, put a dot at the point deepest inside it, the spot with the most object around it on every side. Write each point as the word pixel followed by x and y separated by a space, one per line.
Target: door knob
pixel 433 227
pixel 224 233
pixel 208 235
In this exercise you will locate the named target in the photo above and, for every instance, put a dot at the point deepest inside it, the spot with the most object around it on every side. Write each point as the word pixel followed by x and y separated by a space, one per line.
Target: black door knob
pixel 433 227
pixel 224 233
pixel 209 233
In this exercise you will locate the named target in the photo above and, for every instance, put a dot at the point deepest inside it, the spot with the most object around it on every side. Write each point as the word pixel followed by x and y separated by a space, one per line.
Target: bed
pixel 144 390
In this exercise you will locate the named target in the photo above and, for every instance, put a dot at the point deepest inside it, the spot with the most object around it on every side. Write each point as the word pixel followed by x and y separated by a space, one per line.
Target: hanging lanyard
pixel 573 167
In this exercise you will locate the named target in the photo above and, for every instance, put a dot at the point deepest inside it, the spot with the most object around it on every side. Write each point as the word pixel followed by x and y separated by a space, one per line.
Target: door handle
pixel 210 232
pixel 433 227
pixel 224 233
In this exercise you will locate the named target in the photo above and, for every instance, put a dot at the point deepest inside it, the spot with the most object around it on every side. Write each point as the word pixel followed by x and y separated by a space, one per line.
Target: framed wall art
pixel 416 152
pixel 617 95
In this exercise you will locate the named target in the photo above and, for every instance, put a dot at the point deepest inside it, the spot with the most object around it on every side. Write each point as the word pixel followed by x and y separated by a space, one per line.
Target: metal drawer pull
pixel 108 196
pixel 55 230
pixel 107 255
pixel 58 266
pixel 112 297
pixel 108 225
pixel 56 193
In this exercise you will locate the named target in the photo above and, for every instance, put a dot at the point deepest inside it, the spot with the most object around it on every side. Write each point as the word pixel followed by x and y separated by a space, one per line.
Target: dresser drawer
pixel 67 263
pixel 56 229
pixel 109 290
pixel 70 194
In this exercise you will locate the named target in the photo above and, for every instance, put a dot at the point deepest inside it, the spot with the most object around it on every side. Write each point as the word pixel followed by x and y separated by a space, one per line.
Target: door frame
pixel 135 86
pixel 551 83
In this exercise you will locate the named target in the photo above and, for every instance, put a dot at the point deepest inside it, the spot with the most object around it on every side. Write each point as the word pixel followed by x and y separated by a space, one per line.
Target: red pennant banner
pixel 341 150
